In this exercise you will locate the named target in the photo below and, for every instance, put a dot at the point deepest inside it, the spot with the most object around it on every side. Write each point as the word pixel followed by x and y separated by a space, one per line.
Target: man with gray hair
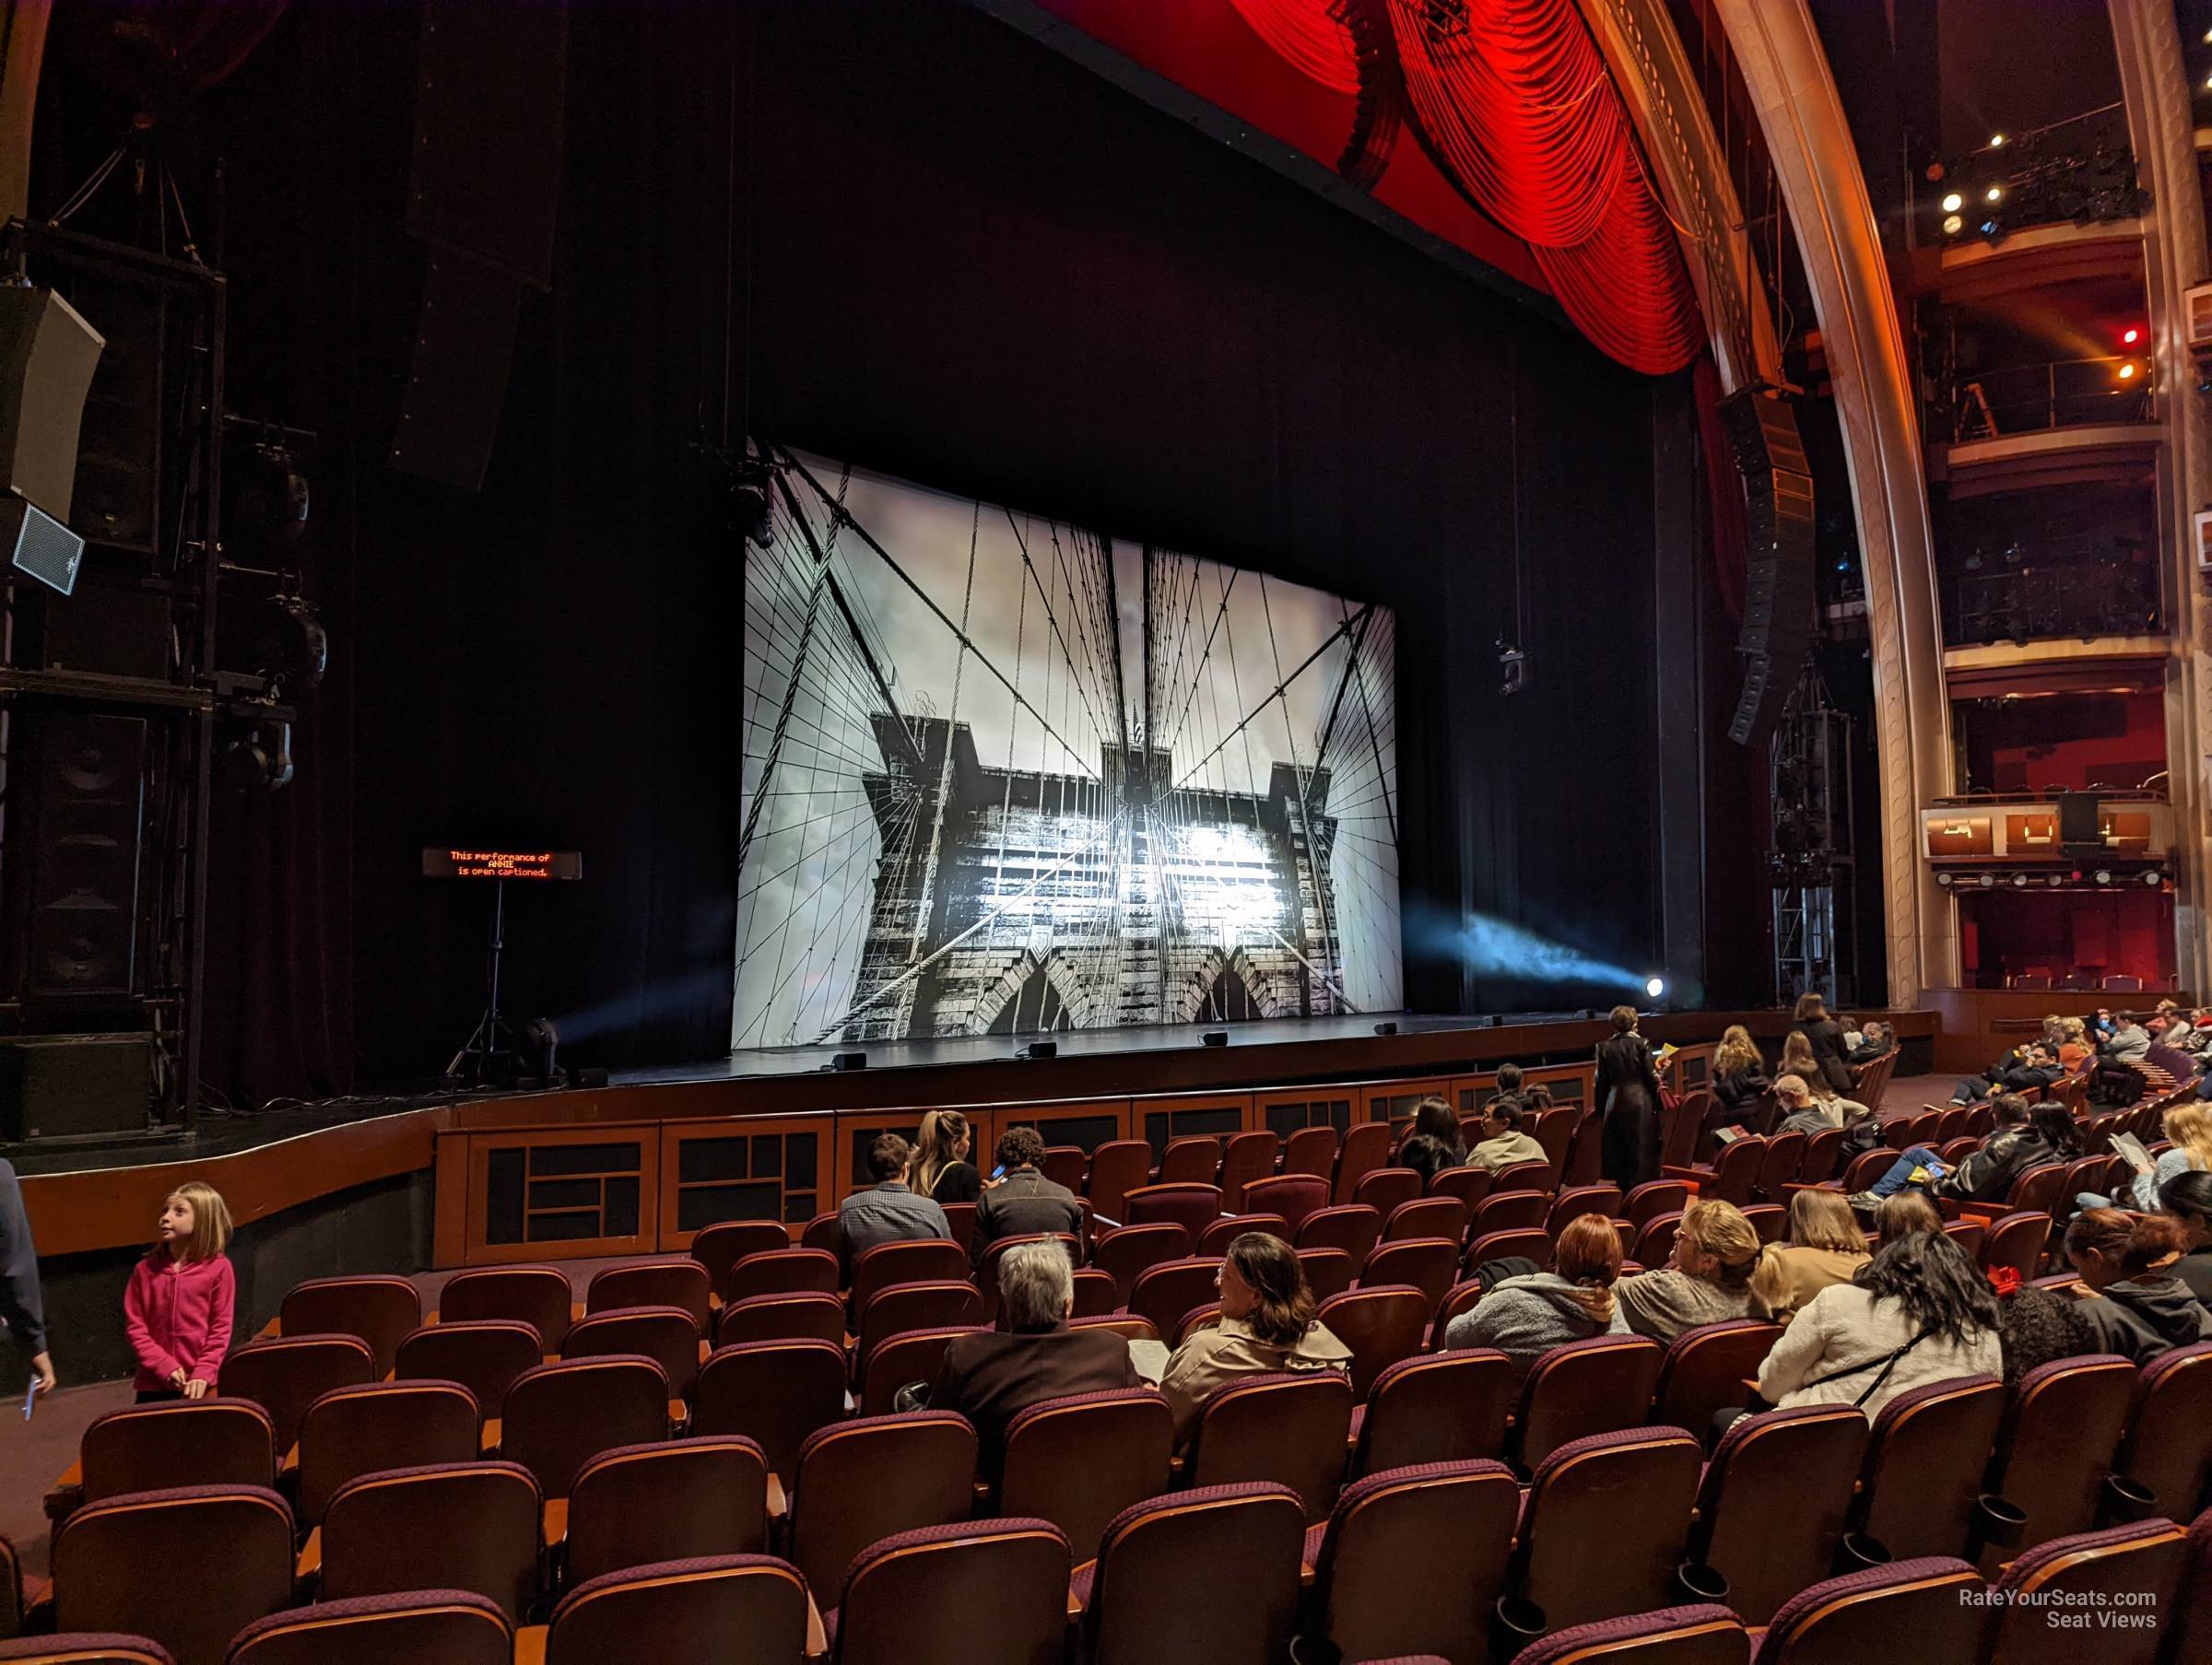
pixel 991 1375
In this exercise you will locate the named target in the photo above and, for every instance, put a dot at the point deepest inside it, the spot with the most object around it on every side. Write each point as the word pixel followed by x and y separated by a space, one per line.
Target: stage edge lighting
pixel 1953 201
pixel 1655 987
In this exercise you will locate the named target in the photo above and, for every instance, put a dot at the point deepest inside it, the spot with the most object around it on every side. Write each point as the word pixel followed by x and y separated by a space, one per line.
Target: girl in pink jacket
pixel 179 1306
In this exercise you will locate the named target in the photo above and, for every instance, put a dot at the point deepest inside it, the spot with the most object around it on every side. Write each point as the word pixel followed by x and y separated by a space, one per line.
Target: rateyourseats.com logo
pixel 2077 1609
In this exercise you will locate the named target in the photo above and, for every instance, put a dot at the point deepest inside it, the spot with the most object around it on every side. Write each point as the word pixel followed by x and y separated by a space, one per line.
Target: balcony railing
pixel 2031 398
pixel 2080 170
pixel 2112 597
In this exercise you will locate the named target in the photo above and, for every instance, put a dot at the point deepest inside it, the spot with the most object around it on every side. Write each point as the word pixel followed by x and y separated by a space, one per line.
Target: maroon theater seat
pixel 734 1610
pixel 556 1417
pixel 1117 1168
pixel 1428 1264
pixel 1328 1272
pixel 2016 1241
pixel 151 1448
pixel 1192 1206
pixel 820 1232
pixel 484 1356
pixel 1127 1250
pixel 539 1297
pixel 86 1647
pixel 668 1500
pixel 1164 1292
pixel 1774 1502
pixel 1065 1164
pixel 2133 1573
pixel 116 1566
pixel 1444 1217
pixel 1010 1576
pixel 1468 1185
pixel 1523 1177
pixel 1603 1528
pixel 1529 1243
pixel 354 1431
pixel 1216 1238
pixel 925 1260
pixel 1705 1369
pixel 1381 1325
pixel 1602 1200
pixel 1436 1407
pixel 1293 1194
pixel 2192 1624
pixel 2169 1447
pixel 1355 1227
pixel 874 1477
pixel 915 1356
pixel 797 1315
pixel 1079 1461
pixel 380 1309
pixel 1924 1465
pixel 664 1335
pixel 1289 1428
pixel 1365 1148
pixel 1210 1574
pixel 1509 1211
pixel 1385 1189
pixel 1869 1615
pixel 775 1393
pixel 779 1271
pixel 683 1284
pixel 1309 1151
pixel 1699 1634
pixel 284 1375
pixel 720 1247
pixel 469 1526
pixel 1194 1159
pixel 894 1310
pixel 1244 1158
pixel 1441 1528
pixel 1655 1244
pixel 450 1626
pixel 1786 1155
pixel 2055 1447
pixel 1582 1389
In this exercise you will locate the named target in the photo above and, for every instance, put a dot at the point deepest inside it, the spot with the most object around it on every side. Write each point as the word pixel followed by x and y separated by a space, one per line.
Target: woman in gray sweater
pixel 1525 1316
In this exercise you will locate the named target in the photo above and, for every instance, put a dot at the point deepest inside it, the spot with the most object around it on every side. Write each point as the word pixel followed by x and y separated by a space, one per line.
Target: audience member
pixel 1908 1210
pixel 1739 1074
pixel 938 1167
pixel 2130 1042
pixel 1268 1324
pixel 1874 1040
pixel 1509 1082
pixel 1428 1157
pixel 182 1297
pixel 1801 1112
pixel 1435 1119
pixel 1525 1315
pixel 2188 1199
pixel 1919 1312
pixel 988 1376
pixel 2189 1126
pixel 1720 1271
pixel 2024 1069
pixel 2165 1055
pixel 1824 1040
pixel 2023 1139
pixel 1626 1093
pixel 2039 1326
pixel 1503 1143
pixel 1022 1202
pixel 1798 1059
pixel 22 1303
pixel 2074 1045
pixel 887 1212
pixel 1826 1245
pixel 2137 1304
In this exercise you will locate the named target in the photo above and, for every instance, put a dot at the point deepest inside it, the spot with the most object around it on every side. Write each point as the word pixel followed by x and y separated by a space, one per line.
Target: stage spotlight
pixel 2019 881
pixel 1953 225
pixel 1655 987
pixel 2127 371
pixel 2104 875
pixel 292 648
pixel 540 1042
pixel 1996 141
pixel 1946 880
pixel 2130 335
pixel 1953 201
pixel 259 759
pixel 2057 879
pixel 1995 194
pixel 1989 881
pixel 2154 879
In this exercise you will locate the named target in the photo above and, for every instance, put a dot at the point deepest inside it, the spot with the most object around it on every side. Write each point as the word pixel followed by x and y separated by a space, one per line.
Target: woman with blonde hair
pixel 1739 1081
pixel 1825 1246
pixel 2073 1044
pixel 938 1167
pixel 2189 1125
pixel 1721 1271
pixel 1525 1316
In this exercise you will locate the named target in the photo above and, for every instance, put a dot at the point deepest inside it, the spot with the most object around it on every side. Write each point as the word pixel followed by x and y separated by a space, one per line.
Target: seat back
pixel 1428 1264
pixel 2133 1570
pixel 775 1393
pixel 2042 1188
pixel 1436 1407
pixel 1013 1569
pixel 2168 1445
pixel 914 1261
pixel 1444 1217
pixel 354 1431
pixel 109 1556
pixel 820 1232
pixel 747 1610
pixel 1384 1188
pixel 1192 1159
pixel 1287 1427
pixel 286 1374
pixel 1443 1529
pixel 1604 1200
pixel 1380 1324
pixel 1934 1599
pixel 1310 1150
pixel 152 1448
pixel 960 1219
pixel 1355 1227
pixel 683 1284
pixel 800 1314
pixel 1784 1156
pixel 872 1478
pixel 1365 1148
pixel 1216 1238
pixel 1555 1130
pixel 1867 1166
pixel 1968 1233
pixel 555 1416
pixel 779 1271
pixel 1705 1368
pixel 470 1526
pixel 1079 1461
pixel 1604 1524
pixel 379 1308
pixel 1735 1171
pixel 1586 1154
pixel 720 1247
pixel 1655 1244
pixel 2016 1240
pixel 1509 1211
pixel 87 1647
pixel 2192 1625
pixel 1246 1158
pixel 1523 1177
pixel 670 1500
pixel 1775 1500
pixel 539 1297
pixel 1117 1168
pixel 484 1356
pixel 1290 1194
pixel 1194 1205
pixel 1328 1272
pixel 914 1356
pixel 451 1627
pixel 1583 1389
pixel 1924 1465
pixel 1470 1185
pixel 664 1335
pixel 2057 1442
pixel 1822 1152
pixel 1695 1634
pixel 1209 1574
pixel 943 1304
pixel 1533 1243
pixel 1127 1250
pixel 1164 1292
pixel 1064 1165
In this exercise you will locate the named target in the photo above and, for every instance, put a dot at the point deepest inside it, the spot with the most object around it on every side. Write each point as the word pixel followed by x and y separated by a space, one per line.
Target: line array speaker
pixel 72 873
pixel 48 356
pixel 1779 600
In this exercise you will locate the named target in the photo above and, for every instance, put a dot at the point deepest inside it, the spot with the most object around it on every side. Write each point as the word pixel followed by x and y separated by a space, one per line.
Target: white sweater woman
pixel 1848 1345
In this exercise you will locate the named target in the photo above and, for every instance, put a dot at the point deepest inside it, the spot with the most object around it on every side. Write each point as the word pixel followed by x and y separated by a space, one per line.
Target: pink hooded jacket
pixel 178 1315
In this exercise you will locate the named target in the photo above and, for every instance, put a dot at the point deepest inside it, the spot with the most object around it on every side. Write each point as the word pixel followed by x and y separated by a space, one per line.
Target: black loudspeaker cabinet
pixel 75 1086
pixel 2080 829
pixel 1780 603
pixel 72 858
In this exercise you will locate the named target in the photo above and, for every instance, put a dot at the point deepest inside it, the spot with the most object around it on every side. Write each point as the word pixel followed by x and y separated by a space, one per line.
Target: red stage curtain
pixel 1308 36
pixel 1626 287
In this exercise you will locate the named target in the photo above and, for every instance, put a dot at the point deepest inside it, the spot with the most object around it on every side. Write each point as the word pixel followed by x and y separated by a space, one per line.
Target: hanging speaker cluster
pixel 1779 600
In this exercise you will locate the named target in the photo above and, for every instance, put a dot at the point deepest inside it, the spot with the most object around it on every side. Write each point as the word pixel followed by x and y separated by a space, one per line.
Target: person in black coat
pixel 1627 1091
pixel 1825 1036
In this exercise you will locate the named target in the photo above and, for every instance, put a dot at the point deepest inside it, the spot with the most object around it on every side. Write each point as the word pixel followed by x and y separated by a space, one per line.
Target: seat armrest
pixel 530 1644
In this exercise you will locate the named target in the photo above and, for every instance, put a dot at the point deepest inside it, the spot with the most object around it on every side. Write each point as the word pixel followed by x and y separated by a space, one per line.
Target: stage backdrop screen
pixel 1005 775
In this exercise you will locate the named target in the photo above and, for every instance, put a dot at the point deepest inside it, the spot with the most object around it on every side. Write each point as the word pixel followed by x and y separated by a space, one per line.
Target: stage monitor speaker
pixel 118 500
pixel 105 627
pixel 47 354
pixel 2080 829
pixel 75 1086
pixel 1779 600
pixel 73 870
